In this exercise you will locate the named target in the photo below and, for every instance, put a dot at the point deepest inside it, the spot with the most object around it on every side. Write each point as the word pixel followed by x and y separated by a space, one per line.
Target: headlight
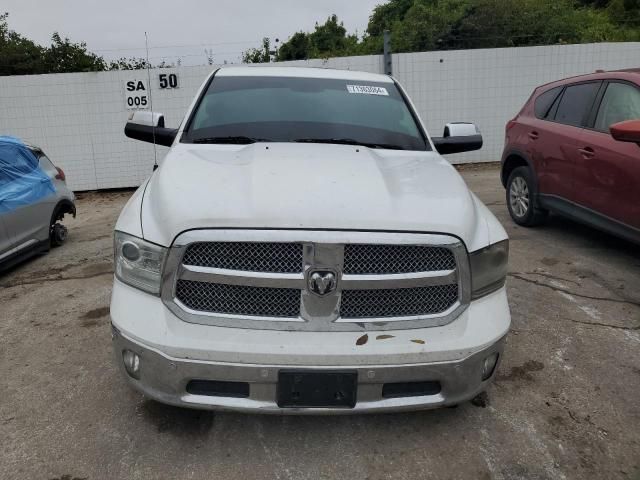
pixel 489 268
pixel 138 262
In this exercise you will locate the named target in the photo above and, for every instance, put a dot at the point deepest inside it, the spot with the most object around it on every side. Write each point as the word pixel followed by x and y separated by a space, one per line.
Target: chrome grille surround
pixel 425 298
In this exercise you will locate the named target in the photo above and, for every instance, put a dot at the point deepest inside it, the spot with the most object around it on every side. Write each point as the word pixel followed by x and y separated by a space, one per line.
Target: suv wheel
pixel 58 234
pixel 521 199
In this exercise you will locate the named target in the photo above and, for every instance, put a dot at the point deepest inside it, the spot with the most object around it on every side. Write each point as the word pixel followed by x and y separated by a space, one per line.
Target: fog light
pixel 489 365
pixel 131 363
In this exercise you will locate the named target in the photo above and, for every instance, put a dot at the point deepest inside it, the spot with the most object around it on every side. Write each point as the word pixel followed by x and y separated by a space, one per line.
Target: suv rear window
pixel 543 102
pixel 576 103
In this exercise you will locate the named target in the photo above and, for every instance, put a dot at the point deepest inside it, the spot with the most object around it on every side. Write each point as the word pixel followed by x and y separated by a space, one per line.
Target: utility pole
pixel 274 52
pixel 388 64
pixel 209 53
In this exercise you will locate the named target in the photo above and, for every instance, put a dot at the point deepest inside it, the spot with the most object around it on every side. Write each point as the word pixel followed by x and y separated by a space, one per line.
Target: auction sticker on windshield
pixel 367 90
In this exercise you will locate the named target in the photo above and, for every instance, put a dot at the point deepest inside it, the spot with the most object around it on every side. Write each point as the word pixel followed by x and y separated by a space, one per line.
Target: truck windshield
pixel 287 109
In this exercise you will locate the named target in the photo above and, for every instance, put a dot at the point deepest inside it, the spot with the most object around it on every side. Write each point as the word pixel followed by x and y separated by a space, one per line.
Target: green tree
pixel 21 56
pixel 507 23
pixel 65 56
pixel 258 55
pixel 18 55
pixel 422 25
pixel 625 13
pixel 427 25
pixel 329 39
pixel 132 63
pixel 594 3
pixel 298 47
pixel 384 16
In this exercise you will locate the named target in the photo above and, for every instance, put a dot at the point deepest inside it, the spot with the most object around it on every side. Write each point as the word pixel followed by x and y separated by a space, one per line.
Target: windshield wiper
pixel 240 140
pixel 349 141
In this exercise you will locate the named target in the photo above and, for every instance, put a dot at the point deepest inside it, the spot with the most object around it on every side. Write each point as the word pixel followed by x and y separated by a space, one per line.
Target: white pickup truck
pixel 304 248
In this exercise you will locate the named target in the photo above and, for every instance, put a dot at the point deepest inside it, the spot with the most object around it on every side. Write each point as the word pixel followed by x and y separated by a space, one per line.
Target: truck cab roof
pixel 301 72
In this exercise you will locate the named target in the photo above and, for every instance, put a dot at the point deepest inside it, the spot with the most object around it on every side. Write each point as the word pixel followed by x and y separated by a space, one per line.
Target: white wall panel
pixel 489 87
pixel 78 118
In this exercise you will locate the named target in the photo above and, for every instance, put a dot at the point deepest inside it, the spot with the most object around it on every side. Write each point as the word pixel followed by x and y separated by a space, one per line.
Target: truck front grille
pixel 390 259
pixel 400 302
pixel 239 300
pixel 269 279
pixel 246 256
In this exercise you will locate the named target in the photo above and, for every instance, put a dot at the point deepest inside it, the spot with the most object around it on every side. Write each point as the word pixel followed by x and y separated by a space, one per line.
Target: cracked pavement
pixel 564 404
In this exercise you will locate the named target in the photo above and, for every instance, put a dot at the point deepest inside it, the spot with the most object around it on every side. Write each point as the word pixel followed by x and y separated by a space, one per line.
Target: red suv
pixel 574 149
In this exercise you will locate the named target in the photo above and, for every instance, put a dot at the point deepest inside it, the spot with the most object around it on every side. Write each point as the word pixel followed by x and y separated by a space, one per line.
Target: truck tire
pixel 522 199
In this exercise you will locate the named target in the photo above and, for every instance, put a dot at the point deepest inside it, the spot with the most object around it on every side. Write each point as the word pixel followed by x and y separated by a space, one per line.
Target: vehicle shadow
pixel 588 237
pixel 318 446
pixel 193 423
pixel 177 421
pixel 21 264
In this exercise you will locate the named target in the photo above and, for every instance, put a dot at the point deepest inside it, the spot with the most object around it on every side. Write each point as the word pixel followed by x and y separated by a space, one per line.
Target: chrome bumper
pixel 165 379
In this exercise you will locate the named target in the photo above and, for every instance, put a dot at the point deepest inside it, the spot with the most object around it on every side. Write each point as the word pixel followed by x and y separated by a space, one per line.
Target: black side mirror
pixel 457 138
pixel 149 127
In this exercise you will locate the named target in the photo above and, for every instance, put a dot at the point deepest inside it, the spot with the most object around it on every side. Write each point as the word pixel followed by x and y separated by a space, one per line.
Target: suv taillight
pixel 60 175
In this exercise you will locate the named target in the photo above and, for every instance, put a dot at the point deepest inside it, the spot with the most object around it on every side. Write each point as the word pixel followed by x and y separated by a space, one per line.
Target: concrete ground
pixel 565 404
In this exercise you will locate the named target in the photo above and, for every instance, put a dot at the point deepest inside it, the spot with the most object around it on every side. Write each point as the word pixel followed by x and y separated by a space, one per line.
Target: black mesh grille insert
pixel 400 302
pixel 239 300
pixel 389 259
pixel 246 256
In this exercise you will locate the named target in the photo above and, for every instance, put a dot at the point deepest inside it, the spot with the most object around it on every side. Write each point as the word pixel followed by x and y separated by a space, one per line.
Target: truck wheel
pixel 521 199
pixel 58 234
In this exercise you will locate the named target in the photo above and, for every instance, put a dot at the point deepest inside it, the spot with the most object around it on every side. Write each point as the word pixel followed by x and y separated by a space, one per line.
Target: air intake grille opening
pixel 400 302
pixel 239 300
pixel 211 388
pixel 360 259
pixel 410 389
pixel 246 256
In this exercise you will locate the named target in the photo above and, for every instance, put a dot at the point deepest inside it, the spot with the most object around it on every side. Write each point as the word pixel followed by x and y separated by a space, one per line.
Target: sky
pixel 115 28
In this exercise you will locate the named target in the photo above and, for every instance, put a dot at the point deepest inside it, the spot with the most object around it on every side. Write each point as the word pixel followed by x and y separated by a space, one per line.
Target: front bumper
pixel 173 352
pixel 165 379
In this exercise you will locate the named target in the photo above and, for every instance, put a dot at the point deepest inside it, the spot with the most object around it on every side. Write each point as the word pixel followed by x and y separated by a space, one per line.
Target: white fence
pixel 78 118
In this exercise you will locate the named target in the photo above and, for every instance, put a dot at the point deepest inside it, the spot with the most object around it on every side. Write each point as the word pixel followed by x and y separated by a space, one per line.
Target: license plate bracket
pixel 317 389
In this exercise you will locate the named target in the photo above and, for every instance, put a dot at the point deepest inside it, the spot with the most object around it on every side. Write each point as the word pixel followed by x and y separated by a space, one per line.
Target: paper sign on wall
pixel 136 94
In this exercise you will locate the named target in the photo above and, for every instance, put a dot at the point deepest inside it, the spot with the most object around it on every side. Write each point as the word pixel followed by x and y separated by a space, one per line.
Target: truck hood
pixel 308 186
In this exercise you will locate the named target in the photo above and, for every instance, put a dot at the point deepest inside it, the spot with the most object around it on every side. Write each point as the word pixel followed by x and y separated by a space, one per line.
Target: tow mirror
pixel 628 131
pixel 149 127
pixel 457 138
